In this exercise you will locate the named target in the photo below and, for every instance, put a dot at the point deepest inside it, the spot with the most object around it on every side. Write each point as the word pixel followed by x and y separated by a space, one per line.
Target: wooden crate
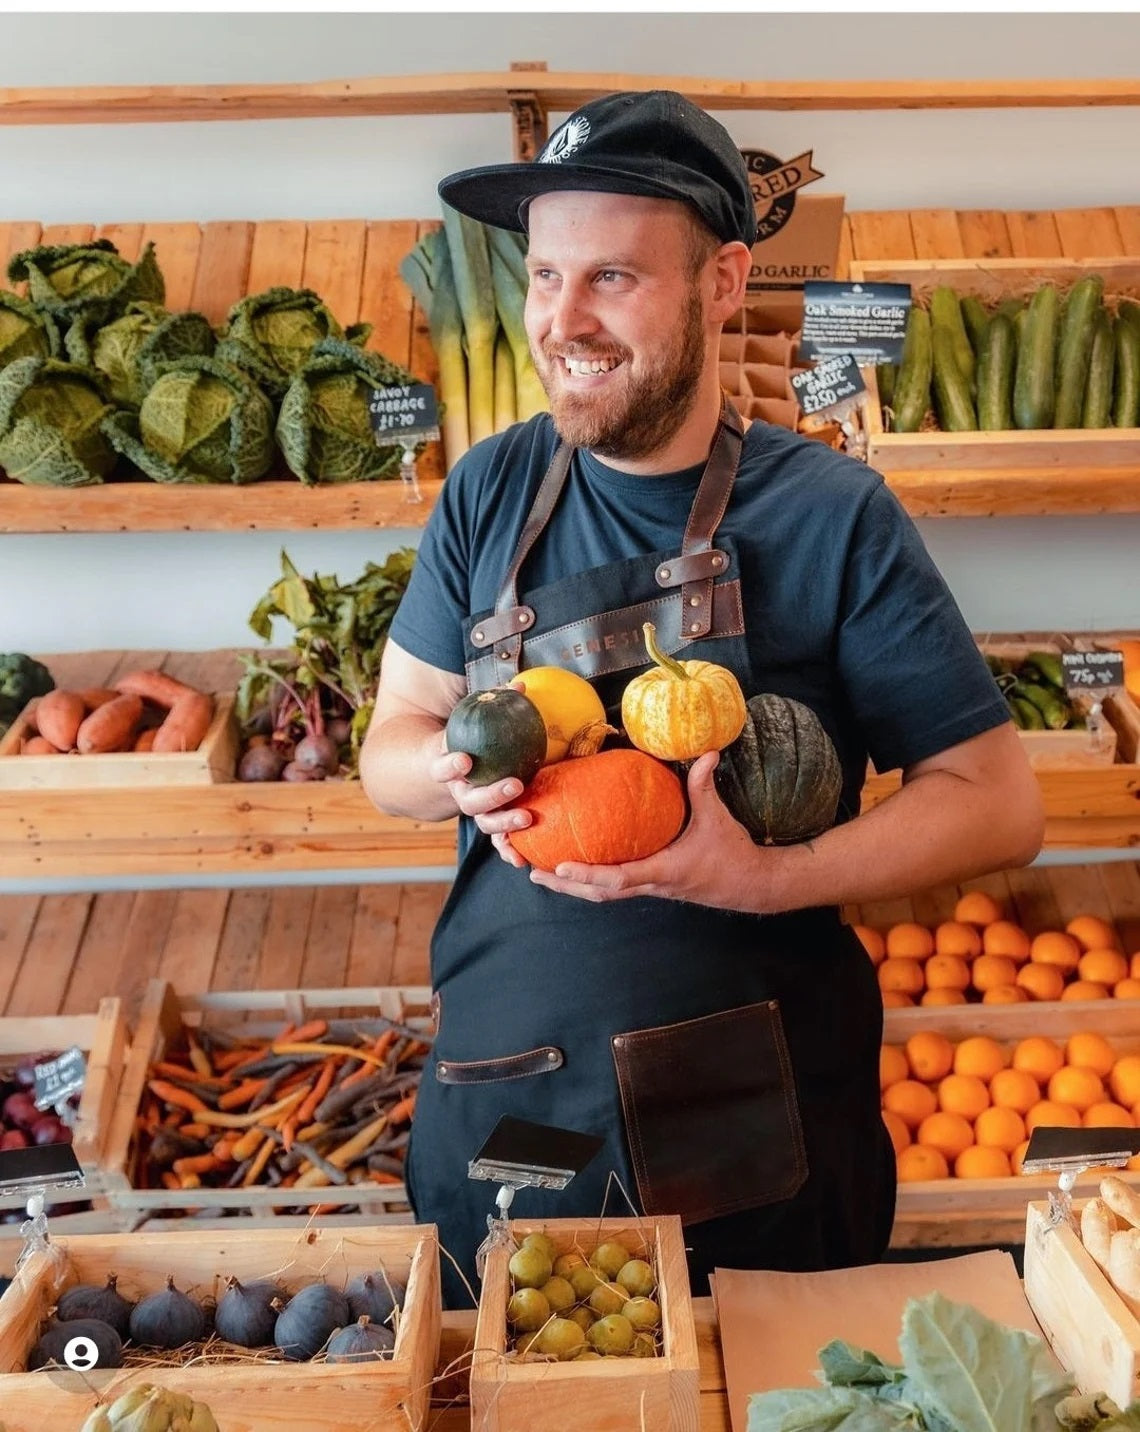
pixel 390 1396
pixel 214 761
pixel 1092 1330
pixel 617 1394
pixel 103 1038
pixel 163 1019
pixel 1056 750
pixel 1121 709
pixel 1058 450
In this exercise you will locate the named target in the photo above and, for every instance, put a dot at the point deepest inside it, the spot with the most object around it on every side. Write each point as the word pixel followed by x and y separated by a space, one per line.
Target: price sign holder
pixel 866 320
pixel 57 1079
pixel 405 415
pixel 1094 674
pixel 32 1173
pixel 1070 1153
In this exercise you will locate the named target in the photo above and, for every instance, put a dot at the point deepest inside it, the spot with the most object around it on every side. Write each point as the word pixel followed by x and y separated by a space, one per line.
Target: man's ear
pixel 732 265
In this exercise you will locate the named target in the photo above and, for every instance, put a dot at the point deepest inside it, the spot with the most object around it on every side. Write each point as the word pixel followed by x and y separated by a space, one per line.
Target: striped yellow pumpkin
pixel 678 710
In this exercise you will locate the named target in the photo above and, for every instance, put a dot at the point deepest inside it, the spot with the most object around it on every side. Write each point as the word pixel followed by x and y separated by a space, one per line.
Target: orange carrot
pixel 170 1180
pixel 379 1176
pixel 247 1145
pixel 402 1109
pixel 195 1130
pixel 308 1047
pixel 240 1094
pixel 196 1163
pixel 257 1167
pixel 199 1058
pixel 264 1115
pixel 306 1110
pixel 306 1033
pixel 172 1094
pixel 189 1180
pixel 225 1059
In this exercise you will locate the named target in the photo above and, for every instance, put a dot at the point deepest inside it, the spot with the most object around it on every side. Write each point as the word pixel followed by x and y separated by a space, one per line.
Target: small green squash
pixel 502 731
pixel 781 777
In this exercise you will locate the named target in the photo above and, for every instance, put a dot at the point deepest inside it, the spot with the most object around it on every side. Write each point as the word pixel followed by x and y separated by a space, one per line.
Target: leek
pixel 505 413
pixel 427 272
pixel 510 247
pixel 530 396
pixel 471 265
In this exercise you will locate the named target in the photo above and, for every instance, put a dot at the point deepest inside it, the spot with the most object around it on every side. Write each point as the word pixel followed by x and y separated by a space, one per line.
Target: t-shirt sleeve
pixel 914 677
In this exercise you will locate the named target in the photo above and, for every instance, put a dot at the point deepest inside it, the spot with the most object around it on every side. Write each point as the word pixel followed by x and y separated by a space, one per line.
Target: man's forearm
pixel 394 768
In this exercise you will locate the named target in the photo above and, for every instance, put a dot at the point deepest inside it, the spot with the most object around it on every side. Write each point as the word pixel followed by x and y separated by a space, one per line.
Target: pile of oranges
pixel 980 955
pixel 966 1110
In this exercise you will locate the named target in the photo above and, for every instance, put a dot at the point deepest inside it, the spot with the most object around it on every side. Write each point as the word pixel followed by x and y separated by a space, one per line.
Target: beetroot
pixel 318 753
pixel 20 1110
pixel 309 1320
pixel 295 772
pixel 168 1319
pixel 375 1295
pixel 106 1303
pixel 48 1129
pixel 364 1341
pixel 261 763
pixel 13 1139
pixel 247 1313
pixel 56 1337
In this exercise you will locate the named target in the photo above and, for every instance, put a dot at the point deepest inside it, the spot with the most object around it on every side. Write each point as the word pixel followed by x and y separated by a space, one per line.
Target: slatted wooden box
pixel 247 1396
pixel 614 1394
pixel 1061 451
pixel 165 1016
pixel 103 1038
pixel 214 761
pixel 1065 749
pixel 1092 1330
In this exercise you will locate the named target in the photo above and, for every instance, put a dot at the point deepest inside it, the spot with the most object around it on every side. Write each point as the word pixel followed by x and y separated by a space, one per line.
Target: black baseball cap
pixel 654 143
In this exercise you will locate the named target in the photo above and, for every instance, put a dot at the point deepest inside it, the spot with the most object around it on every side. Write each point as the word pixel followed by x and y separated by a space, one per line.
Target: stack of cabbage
pixel 94 367
pixel 470 280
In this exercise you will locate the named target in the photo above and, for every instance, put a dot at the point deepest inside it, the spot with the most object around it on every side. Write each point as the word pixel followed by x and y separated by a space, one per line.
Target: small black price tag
pixel 406 414
pixel 59 1078
pixel 1095 671
pixel 867 320
pixel 831 382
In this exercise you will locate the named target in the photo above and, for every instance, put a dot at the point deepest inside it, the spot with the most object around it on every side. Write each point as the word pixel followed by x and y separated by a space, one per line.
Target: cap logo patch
pixel 566 141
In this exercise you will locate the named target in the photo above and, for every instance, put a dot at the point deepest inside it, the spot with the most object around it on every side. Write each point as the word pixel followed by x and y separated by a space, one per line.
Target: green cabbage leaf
pixel 272 334
pixel 51 416
pixel 70 280
pixel 129 350
pixel 25 331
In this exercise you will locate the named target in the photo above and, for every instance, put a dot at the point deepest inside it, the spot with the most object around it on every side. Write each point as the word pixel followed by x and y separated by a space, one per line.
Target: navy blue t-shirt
pixel 844 608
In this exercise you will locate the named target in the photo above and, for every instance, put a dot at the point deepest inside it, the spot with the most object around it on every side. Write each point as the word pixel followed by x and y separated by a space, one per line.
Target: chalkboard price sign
pixel 830 383
pixel 57 1079
pixel 407 413
pixel 1093 671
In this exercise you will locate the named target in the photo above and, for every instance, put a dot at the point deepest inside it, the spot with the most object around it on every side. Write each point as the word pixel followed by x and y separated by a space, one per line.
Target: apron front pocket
pixel 711 1114
pixel 543 1060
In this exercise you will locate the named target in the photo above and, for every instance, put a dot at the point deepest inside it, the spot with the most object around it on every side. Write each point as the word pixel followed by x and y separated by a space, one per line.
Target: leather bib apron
pixel 670 1029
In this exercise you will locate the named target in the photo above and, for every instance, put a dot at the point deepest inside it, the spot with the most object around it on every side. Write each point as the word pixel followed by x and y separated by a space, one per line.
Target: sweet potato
pixel 96 696
pixel 187 722
pixel 153 686
pixel 144 741
pixel 111 727
pixel 39 746
pixel 59 715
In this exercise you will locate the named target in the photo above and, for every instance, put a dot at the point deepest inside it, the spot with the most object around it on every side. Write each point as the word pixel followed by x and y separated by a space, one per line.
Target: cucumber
pixel 886 374
pixel 977 320
pixel 1054 708
pixel 1026 716
pixel 1075 349
pixel 996 359
pixel 1097 410
pixel 1033 397
pixel 945 309
pixel 912 386
pixel 1129 310
pixel 951 391
pixel 1126 389
pixel 1048 666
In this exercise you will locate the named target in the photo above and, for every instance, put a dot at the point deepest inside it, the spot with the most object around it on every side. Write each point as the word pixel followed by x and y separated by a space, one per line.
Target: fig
pixel 309 1319
pixel 106 1303
pixel 168 1319
pixel 375 1295
pixel 318 753
pixel 260 763
pixel 364 1341
pixel 49 1349
pixel 247 1313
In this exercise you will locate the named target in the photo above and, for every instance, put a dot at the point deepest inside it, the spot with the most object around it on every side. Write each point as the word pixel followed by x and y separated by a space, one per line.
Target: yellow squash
pixel 571 710
pixel 678 710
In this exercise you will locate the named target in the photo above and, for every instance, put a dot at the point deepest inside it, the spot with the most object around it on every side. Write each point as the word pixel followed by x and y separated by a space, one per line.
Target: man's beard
pixel 647 411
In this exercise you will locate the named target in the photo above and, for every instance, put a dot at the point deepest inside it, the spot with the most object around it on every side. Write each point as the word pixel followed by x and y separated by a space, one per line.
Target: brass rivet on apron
pixel 503 655
pixel 715 562
pixel 694 601
pixel 523 618
pixel 478 635
pixel 552 1056
pixel 694 626
pixel 664 574
pixel 442 1068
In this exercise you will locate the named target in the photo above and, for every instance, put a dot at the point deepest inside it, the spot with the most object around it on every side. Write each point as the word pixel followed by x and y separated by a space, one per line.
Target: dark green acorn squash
pixel 781 777
pixel 502 731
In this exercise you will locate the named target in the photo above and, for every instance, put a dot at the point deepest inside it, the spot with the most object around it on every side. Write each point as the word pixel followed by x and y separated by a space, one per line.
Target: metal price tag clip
pixel 32 1173
pixel 408 476
pixel 1070 1153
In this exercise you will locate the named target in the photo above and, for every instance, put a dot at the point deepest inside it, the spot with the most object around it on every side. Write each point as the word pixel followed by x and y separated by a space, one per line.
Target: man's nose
pixel 571 316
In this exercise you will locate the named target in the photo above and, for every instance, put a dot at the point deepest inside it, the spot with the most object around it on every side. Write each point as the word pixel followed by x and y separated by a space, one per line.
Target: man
pixel 704 1010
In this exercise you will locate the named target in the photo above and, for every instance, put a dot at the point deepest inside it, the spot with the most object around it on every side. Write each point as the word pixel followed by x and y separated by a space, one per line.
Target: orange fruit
pixel 999 1129
pixel 1014 1089
pixel 1006 994
pixel 979 1162
pixel 872 942
pixel 963 1094
pixel 1040 1057
pixel 979 1055
pixel 1093 933
pixel 1107 1115
pixel 954 938
pixel 989 971
pixel 895 999
pixel 947 972
pixel 1046 1114
pixel 918 1163
pixel 1017 1158
pixel 910 1100
pixel 1052 947
pixel 1045 982
pixel 909 941
pixel 900 1134
pixel 944 996
pixel 1134 965
pixel 901 975
pixel 1077 1087
pixel 977 908
pixel 930 1055
pixel 1003 937
pixel 893 1065
pixel 1124 1080
pixel 1107 967
pixel 1088 1050
pixel 1126 989
pixel 1084 990
pixel 948 1133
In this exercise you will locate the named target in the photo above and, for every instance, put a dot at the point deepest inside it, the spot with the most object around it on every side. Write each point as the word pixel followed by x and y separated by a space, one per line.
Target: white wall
pixel 195 590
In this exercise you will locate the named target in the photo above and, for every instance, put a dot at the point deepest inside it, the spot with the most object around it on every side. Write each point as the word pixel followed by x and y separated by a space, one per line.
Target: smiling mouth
pixel 590 367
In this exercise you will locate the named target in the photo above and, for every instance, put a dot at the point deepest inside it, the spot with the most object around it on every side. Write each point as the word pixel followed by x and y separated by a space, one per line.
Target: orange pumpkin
pixel 601 810
pixel 678 710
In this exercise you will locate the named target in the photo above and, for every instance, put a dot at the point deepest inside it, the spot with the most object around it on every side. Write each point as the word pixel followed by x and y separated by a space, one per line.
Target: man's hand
pixel 713 862
pixel 485 804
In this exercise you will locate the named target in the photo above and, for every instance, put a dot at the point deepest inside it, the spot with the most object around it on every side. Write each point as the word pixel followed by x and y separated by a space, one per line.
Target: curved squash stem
pixel 674 668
